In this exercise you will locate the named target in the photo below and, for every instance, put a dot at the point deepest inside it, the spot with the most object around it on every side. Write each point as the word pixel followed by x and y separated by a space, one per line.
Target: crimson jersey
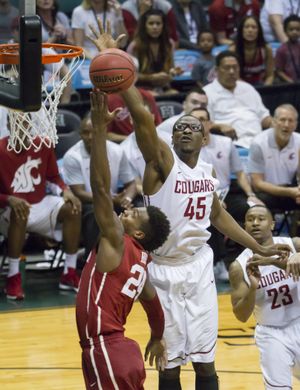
pixel 104 300
pixel 24 174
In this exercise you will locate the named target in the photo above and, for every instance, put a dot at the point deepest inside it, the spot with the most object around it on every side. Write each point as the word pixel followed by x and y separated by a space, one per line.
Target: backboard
pixel 23 92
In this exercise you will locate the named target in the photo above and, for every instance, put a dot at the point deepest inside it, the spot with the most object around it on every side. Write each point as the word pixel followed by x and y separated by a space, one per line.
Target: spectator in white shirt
pixel 235 102
pixel 274 161
pixel 76 172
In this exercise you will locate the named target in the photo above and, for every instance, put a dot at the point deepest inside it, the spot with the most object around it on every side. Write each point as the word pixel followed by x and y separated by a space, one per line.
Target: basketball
pixel 112 71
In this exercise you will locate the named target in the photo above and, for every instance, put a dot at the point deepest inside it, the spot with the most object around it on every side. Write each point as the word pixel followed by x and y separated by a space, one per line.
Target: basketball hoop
pixel 35 129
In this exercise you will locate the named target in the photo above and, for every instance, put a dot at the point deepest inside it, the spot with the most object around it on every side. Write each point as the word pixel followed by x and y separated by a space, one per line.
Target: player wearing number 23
pixel 270 288
pixel 183 187
pixel 114 276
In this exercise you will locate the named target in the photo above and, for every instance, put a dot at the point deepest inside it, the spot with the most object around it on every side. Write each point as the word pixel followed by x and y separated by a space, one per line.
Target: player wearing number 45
pixel 114 276
pixel 261 286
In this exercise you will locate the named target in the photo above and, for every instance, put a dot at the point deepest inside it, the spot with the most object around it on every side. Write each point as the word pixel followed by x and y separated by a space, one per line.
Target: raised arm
pixel 111 244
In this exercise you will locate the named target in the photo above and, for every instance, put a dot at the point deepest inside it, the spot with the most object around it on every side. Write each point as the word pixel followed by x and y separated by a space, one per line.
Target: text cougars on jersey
pixel 192 186
pixel 272 278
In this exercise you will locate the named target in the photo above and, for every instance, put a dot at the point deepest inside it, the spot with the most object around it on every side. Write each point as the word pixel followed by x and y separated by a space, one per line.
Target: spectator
pixel 287 58
pixel 133 9
pixel 224 157
pixel 27 208
pixel 87 13
pixel 55 24
pixel 154 50
pixel 7 14
pixel 122 125
pixel 76 169
pixel 235 102
pixel 256 58
pixel 274 160
pixel 203 69
pixel 272 16
pixel 225 16
pixel 190 20
pixel 266 288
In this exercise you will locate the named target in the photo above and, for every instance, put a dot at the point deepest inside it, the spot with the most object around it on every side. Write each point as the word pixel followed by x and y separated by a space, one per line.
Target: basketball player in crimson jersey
pixel 183 186
pixel 25 206
pixel 260 286
pixel 115 276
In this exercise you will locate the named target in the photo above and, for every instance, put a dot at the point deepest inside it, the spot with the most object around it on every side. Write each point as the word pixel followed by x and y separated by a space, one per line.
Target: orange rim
pixel 9 53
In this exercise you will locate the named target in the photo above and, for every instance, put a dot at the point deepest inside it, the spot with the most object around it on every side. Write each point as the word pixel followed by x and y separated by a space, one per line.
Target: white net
pixel 35 129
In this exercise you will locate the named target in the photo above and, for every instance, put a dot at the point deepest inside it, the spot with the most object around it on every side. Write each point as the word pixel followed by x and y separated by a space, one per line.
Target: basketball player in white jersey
pixel 182 269
pixel 262 287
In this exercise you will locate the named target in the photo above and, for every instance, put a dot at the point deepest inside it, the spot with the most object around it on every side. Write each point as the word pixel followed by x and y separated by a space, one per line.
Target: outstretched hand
pixel 99 109
pixel 281 250
pixel 103 39
pixel 156 351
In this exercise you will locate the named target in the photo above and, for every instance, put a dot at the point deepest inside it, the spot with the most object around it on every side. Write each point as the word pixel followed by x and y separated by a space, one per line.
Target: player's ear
pixel 139 234
pixel 273 225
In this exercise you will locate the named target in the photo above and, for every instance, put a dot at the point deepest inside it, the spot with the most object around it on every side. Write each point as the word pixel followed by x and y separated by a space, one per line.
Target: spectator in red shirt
pixel 287 58
pixel 26 207
pixel 225 15
pixel 133 9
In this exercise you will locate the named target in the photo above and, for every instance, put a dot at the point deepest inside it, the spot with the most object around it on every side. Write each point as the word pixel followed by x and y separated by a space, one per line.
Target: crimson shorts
pixel 113 362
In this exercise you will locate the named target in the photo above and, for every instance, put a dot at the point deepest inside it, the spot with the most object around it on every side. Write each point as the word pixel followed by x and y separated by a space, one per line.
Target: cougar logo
pixel 23 180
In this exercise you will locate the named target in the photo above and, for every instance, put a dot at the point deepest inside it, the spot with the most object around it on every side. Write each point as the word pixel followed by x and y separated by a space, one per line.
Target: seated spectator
pixel 86 14
pixel 274 161
pixel 287 58
pixel 272 16
pixel 7 14
pixel 133 9
pixel 256 58
pixel 190 20
pixel 235 102
pixel 225 15
pixel 55 24
pixel 76 170
pixel 122 125
pixel 27 208
pixel 154 50
pixel 223 155
pixel 203 69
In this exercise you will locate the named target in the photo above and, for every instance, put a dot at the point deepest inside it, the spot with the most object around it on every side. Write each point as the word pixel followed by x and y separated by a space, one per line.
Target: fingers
pixel 100 26
pixel 94 31
pixel 108 27
pixel 120 39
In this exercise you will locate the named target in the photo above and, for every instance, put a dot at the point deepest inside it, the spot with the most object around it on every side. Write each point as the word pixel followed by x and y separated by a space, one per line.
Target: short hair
pixel 195 90
pixel 156 229
pixel 286 106
pixel 185 115
pixel 225 54
pixel 200 108
pixel 269 212
pixel 289 19
pixel 206 31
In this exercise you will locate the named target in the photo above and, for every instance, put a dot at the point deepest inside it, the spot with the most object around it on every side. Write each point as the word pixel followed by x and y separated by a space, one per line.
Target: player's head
pixel 291 27
pixel 188 135
pixel 148 225
pixel 259 223
pixel 86 131
pixel 228 69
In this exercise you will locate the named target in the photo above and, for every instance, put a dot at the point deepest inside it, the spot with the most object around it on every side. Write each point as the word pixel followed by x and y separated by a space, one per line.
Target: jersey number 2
pixel 134 285
pixel 195 210
pixel 286 298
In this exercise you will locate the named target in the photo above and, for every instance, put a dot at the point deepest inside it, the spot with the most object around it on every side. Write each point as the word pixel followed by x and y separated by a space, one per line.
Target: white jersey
pixel 186 198
pixel 277 300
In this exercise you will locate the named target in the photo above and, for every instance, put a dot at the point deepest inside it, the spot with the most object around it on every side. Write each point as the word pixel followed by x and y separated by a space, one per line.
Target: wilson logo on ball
pixel 108 80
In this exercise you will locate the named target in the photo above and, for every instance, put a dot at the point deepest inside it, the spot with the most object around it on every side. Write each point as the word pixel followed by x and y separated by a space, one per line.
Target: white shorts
pixel 42 218
pixel 189 299
pixel 279 354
